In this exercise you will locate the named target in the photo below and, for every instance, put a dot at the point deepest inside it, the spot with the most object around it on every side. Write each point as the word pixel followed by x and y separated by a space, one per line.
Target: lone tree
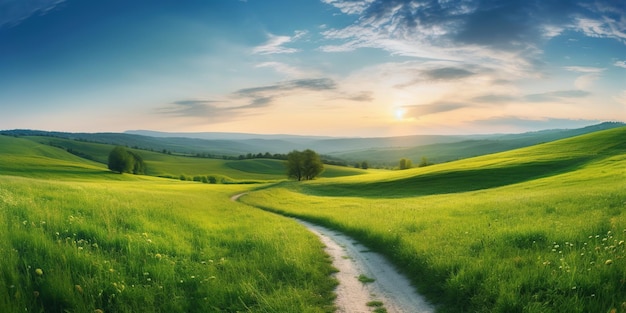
pixel 405 164
pixel 304 165
pixel 122 160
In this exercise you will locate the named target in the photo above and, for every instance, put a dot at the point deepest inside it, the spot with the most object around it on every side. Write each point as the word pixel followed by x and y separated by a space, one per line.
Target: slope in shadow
pixel 445 182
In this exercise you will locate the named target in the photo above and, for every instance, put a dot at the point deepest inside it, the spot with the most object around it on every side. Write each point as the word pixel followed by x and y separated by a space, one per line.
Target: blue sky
pixel 315 67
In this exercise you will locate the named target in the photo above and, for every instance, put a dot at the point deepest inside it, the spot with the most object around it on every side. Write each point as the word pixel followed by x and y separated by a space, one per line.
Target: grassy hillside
pixel 541 229
pixel 482 172
pixel 77 238
pixel 167 165
pixel 463 148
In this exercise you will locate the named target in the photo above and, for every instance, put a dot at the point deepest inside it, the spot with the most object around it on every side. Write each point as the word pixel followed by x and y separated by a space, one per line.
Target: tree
pixel 304 165
pixel 122 160
pixel 365 165
pixel 405 164
pixel 424 162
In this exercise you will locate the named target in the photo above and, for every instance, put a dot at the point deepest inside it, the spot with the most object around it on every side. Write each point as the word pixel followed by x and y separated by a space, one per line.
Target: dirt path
pixel 353 260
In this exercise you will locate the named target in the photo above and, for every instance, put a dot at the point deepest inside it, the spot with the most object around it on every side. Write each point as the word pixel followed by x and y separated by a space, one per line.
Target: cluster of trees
pixel 281 156
pixel 304 165
pixel 407 164
pixel 123 160
pixel 363 164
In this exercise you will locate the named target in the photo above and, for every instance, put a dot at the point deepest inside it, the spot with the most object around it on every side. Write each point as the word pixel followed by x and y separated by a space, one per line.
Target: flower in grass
pixel 78 288
pixel 608 262
pixel 39 271
pixel 158 256
pixel 98 311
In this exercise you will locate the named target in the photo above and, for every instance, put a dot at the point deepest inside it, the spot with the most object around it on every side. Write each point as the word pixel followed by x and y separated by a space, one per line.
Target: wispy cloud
pixel 621 64
pixel 206 109
pixel 363 96
pixel 417 111
pixel 13 12
pixel 494 98
pixel 524 123
pixel 448 73
pixel 282 68
pixel 276 44
pixel 588 77
pixel 351 6
pixel 243 101
pixel 557 95
pixel 508 33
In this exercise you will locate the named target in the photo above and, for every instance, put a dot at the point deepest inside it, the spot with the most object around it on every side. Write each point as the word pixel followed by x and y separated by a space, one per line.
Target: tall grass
pixel 152 246
pixel 546 243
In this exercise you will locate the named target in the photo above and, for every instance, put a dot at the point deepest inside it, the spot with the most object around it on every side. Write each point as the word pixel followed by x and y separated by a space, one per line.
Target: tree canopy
pixel 304 165
pixel 123 160
pixel 405 164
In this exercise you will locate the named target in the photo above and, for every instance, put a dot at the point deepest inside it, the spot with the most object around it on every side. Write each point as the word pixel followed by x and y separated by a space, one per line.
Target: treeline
pixel 326 159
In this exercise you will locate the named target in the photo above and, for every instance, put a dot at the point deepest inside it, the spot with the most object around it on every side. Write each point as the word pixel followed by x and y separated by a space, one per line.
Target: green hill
pixel 482 172
pixel 22 157
pixel 539 229
pixel 67 152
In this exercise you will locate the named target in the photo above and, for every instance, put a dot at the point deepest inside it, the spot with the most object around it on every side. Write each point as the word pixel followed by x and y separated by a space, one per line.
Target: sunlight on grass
pixel 553 243
pixel 152 247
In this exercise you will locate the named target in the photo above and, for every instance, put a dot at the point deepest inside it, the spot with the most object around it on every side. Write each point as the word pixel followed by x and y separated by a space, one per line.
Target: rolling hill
pixel 59 154
pixel 484 172
pixel 380 151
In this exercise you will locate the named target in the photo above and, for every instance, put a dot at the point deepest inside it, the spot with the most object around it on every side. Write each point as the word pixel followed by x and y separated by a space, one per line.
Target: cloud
pixel 13 12
pixel 447 73
pixel 363 96
pixel 494 98
pixel 306 84
pixel 253 98
pixel 417 111
pixel 275 44
pixel 282 68
pixel 196 108
pixel 526 124
pixel 350 7
pixel 508 33
pixel 621 64
pixel 590 75
pixel 556 95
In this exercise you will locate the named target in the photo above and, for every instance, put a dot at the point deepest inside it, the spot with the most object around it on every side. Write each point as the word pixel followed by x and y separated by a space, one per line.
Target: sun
pixel 399 113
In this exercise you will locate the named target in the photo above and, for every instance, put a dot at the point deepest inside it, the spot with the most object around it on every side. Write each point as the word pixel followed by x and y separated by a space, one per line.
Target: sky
pixel 366 68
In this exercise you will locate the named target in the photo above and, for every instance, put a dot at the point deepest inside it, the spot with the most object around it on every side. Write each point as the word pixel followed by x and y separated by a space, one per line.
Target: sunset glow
pixel 270 66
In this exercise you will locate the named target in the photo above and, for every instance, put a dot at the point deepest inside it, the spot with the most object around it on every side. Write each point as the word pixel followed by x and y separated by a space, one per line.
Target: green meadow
pixel 539 229
pixel 79 239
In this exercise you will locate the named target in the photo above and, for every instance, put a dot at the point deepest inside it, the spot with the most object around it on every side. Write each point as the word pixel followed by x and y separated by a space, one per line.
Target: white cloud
pixel 590 75
pixel 275 44
pixel 13 12
pixel 602 28
pixel 621 64
pixel 283 68
pixel 350 7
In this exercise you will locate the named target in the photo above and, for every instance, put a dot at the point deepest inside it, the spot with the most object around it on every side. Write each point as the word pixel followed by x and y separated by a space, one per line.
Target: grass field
pixel 540 229
pixel 77 239
pixel 175 166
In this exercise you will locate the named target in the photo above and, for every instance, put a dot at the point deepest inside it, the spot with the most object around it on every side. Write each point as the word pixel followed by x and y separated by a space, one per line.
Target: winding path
pixel 352 260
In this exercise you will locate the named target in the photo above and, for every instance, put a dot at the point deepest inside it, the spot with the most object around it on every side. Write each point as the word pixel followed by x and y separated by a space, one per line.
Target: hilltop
pixel 380 151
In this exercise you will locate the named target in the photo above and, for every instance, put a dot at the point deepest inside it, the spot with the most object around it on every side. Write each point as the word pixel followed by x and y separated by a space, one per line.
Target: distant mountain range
pixel 380 150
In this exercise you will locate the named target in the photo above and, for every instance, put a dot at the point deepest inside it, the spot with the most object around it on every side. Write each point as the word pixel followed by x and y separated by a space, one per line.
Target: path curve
pixel 352 260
